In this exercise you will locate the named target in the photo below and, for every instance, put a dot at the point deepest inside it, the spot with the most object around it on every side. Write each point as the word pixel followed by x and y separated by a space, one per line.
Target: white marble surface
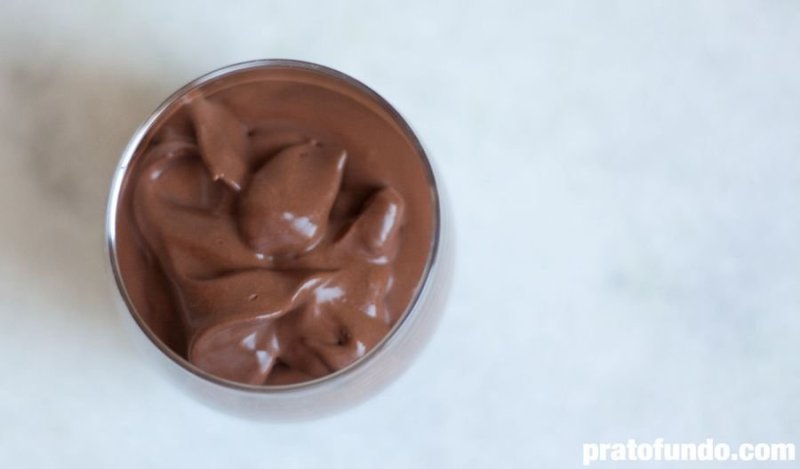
pixel 626 179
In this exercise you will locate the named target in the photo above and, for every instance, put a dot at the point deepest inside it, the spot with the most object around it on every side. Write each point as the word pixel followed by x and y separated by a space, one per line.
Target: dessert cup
pixel 333 392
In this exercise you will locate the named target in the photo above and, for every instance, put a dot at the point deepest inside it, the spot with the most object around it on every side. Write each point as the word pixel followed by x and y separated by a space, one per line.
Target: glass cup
pixel 334 392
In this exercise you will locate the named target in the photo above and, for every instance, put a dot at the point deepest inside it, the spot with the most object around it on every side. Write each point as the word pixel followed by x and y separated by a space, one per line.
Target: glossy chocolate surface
pixel 274 225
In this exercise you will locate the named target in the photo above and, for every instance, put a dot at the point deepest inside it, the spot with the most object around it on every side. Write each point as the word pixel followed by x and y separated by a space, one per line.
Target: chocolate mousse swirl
pixel 278 270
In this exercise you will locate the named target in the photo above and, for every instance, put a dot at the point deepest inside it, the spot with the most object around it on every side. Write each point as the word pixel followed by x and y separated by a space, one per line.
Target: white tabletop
pixel 626 185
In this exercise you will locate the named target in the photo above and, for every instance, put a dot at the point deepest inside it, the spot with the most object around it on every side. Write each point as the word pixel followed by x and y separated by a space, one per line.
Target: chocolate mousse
pixel 274 224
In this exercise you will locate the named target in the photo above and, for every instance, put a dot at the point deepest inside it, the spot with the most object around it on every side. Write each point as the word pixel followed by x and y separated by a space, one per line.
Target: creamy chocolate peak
pixel 274 224
pixel 286 206
pixel 223 140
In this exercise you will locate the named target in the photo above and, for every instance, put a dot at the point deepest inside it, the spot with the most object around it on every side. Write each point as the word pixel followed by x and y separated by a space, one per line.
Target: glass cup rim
pixel 121 170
